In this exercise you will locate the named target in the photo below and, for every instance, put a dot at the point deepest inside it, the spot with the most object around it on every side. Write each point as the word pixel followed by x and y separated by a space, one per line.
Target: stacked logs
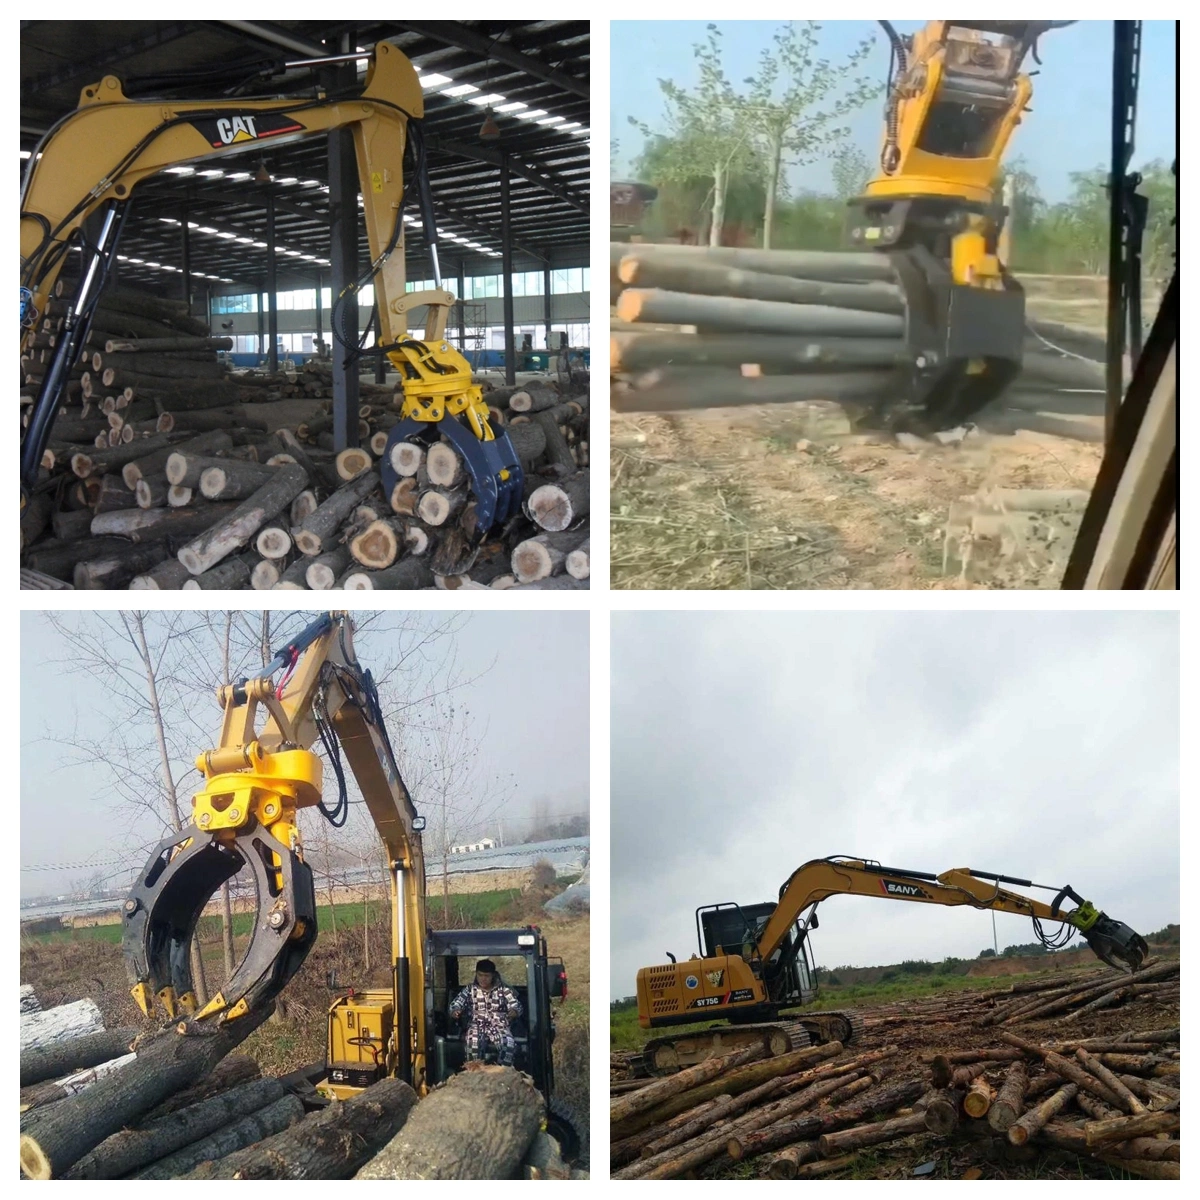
pixel 238 507
pixel 185 1108
pixel 713 327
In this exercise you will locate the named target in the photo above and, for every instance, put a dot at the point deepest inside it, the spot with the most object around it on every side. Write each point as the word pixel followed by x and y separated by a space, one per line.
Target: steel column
pixel 320 335
pixel 546 300
pixel 506 249
pixel 186 256
pixel 273 311
pixel 462 309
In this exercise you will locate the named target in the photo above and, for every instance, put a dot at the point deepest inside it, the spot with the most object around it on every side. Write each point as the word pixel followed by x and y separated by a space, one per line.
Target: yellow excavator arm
pixel 91 161
pixel 246 815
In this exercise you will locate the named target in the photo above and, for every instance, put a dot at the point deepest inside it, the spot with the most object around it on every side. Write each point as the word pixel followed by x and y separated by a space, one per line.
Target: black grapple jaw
pixel 1116 944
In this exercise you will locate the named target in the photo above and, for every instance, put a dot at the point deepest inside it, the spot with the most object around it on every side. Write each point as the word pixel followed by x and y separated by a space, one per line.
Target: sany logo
pixel 902 889
pixel 236 129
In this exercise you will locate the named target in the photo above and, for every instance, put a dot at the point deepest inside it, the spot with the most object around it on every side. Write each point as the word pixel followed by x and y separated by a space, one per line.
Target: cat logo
pixel 250 127
pixel 892 888
pixel 714 978
pixel 236 129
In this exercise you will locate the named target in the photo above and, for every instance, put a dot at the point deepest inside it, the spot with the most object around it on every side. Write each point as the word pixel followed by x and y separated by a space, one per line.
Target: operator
pixel 490 1008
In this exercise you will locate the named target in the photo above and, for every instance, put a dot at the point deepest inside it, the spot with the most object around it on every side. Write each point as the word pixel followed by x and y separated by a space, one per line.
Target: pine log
pixel 352 462
pixel 1094 1067
pixel 130 1149
pixel 168 575
pixel 1145 1147
pixel 673 1085
pixel 478 1125
pixel 544 555
pixel 246 1130
pixel 870 1135
pixel 167 1062
pixel 978 1098
pixel 154 524
pixel 712 279
pixel 444 465
pixel 941 1111
pixel 234 531
pixel 1096 1109
pixel 684 391
pixel 556 506
pixel 955 1058
pixel 115 569
pixel 836 266
pixel 783 1165
pixel 54 1059
pixel 230 573
pixel 409 574
pixel 1120 1129
pixel 680 1129
pixel 318 532
pixel 1008 1104
pixel 722 314
pixel 1144 1167
pixel 1081 1078
pixel 1021 1130
pixel 233 480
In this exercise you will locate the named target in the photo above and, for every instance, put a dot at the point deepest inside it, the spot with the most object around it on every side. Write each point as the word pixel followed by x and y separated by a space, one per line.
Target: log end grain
pixel 352 462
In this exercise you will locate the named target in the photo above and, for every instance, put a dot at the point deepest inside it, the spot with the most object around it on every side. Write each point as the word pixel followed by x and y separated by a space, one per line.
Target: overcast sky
pixel 1040 745
pixel 528 709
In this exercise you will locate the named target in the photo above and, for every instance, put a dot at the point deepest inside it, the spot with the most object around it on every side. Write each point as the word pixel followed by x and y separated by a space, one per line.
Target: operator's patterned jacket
pixel 489 1015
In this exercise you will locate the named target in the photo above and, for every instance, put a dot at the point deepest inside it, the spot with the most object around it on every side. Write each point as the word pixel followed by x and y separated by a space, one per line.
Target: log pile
pixel 147 486
pixel 703 327
pixel 949 1072
pixel 177 1108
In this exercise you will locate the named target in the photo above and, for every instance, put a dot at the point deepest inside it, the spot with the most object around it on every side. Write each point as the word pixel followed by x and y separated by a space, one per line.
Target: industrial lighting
pixel 246 241
pixel 532 114
pixel 462 89
pixel 238 176
pixel 550 120
pixel 206 229
pixel 226 235
pixel 489 131
pixel 260 245
pixel 512 106
pixel 137 261
pixel 490 99
pixel 433 80
pixel 262 175
pixel 570 125
pixel 288 181
pixel 26 153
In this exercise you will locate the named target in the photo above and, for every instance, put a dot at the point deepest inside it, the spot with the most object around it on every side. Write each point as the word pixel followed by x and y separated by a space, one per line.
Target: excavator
pixel 753 969
pixel 88 165
pixel 954 97
pixel 256 780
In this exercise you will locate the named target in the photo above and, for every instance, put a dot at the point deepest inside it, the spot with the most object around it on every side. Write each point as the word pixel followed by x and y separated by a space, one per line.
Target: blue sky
pixel 1068 129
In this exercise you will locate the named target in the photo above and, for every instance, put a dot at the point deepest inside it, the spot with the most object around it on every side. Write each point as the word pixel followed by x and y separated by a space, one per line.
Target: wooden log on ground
pixel 558 450
pixel 1021 1130
pixel 437 507
pixel 330 1144
pixel 784 1164
pixel 235 530
pixel 556 506
pixel 233 480
pixel 944 1073
pixel 58 559
pixel 231 573
pixel 63 1023
pixel 713 279
pixel 131 1149
pixel 861 1136
pixel 29 1004
pixel 942 1109
pixel 721 314
pixel 409 574
pixel 1094 1067
pixel 273 542
pixel 544 555
pixel 1144 1147
pixel 168 575
pixel 54 1090
pixel 154 524
pixel 673 1085
pixel 579 560
pixel 55 1059
pixel 293 578
pixel 833 265
pixel 318 532
pixel 1121 1129
pixel 1009 1102
pixel 152 492
pixel 978 1098
pixel 683 1128
pixel 183 468
pixel 1144 1167
pixel 167 1062
pixel 352 462
pixel 534 396
pixel 244 1131
pixel 156 462
pixel 322 572
pixel 378 545
pixel 478 1125
pixel 1081 1078
pixel 631 352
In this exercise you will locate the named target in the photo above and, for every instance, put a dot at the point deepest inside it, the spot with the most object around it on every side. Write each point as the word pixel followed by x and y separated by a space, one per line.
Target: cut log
pixel 783 1165
pixel 1081 1078
pixel 52 1091
pixel 352 462
pixel 264 574
pixel 478 1125
pixel 330 1144
pixel 294 578
pixel 1094 1067
pixel 303 506
pixel 96 462
pixel 35 516
pixel 115 569
pixel 317 534
pixel 231 573
pixel 58 1058
pixel 322 572
pixel 273 542
pixel 178 497
pixel 662 1089
pixel 558 450
pixel 870 1135
pixel 59 559
pixel 233 480
pixel 444 465
pixel 168 575
pixel 407 458
pixel 544 555
pixel 1144 1147
pixel 436 508
pixel 409 574
pixel 941 1111
pixel 1009 1102
pixel 152 492
pixel 722 314
pixel 528 440
pixel 1120 1129
pixel 234 531
pixel 154 524
pixel 556 506
pixel 978 1098
pixel 183 468
pixel 69 526
pixel 685 390
pixel 404 497
pixel 167 1062
pixel 534 396
pixel 167 366
pixel 1021 1130
pixel 378 545
pixel 244 1131
pixel 143 345
pixel 836 266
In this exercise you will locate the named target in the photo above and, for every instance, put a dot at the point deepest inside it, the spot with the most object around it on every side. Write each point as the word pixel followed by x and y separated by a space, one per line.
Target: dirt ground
pixel 754 498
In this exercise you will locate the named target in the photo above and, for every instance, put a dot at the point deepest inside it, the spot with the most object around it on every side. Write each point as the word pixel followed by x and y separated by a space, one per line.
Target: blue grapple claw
pixel 493 467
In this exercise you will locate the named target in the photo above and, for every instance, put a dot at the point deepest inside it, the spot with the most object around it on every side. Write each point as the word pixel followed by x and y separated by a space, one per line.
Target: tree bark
pixel 233 480
pixel 330 1144
pixel 168 575
pixel 1021 1130
pixel 155 524
pixel 230 574
pixel 718 204
pixel 115 569
pixel 670 390
pixel 409 574
pixel 1120 1129
pixel 636 351
pixel 673 1085
pixel 51 1091
pixel 783 1165
pixel 555 506
pixel 1081 1078
pixel 1094 1067
pixel 837 266
pixel 544 555
pixel 166 1063
pixel 318 532
pixel 235 530
pixel 1009 1102
pixel 478 1125
pixel 52 1060
pixel 322 572
pixel 870 1135
pixel 245 1131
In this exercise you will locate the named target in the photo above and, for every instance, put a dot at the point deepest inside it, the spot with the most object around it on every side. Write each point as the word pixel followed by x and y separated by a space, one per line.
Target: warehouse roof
pixel 536 74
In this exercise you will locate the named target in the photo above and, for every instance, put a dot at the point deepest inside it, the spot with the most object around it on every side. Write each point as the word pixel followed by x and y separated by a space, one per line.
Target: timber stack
pixel 708 327
pixel 154 482
pixel 187 1108
pixel 937 1079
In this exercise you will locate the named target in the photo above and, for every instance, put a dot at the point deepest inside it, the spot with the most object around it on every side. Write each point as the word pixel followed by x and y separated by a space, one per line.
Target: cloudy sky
pixel 1040 745
pixel 522 700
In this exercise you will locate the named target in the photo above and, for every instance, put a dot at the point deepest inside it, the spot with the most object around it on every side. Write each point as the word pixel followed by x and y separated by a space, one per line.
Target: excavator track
pixel 666 1055
pixel 846 1027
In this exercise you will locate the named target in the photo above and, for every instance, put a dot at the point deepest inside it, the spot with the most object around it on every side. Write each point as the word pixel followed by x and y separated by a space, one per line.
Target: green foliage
pixel 1167 935
pixel 888 976
pixel 832 981
pixel 1022 950
pixel 916 967
pixel 988 953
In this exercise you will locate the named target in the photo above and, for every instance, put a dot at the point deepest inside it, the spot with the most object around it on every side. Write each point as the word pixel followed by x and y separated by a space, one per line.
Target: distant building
pixel 470 847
